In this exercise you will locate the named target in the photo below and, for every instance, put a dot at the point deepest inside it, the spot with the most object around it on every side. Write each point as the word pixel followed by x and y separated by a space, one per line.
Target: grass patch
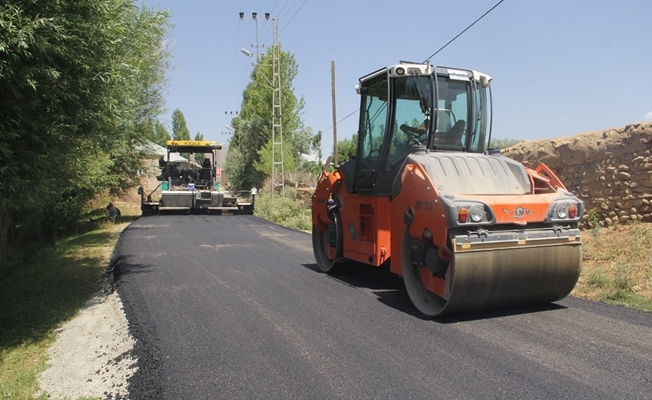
pixel 45 287
pixel 617 266
pixel 598 279
pixel 285 210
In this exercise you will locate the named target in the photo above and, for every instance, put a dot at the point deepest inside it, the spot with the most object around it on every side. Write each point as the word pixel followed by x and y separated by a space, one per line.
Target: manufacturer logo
pixel 519 213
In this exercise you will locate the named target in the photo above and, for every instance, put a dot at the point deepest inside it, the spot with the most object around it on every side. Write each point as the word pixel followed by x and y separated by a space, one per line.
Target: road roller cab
pixel 465 227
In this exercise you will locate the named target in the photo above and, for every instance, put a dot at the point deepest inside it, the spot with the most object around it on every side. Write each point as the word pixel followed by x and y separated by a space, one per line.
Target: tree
pixel 79 82
pixel 179 129
pixel 253 125
pixel 347 149
pixel 315 144
pixel 160 135
pixel 199 157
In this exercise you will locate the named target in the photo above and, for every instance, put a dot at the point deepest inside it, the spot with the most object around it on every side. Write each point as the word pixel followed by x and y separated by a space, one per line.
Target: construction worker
pixel 113 211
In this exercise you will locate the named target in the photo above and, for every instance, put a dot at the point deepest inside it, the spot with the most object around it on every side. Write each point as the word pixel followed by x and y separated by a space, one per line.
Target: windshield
pixel 456 122
pixel 453 112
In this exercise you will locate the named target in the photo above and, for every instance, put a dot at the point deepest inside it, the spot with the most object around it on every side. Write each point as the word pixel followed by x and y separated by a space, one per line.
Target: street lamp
pixel 254 17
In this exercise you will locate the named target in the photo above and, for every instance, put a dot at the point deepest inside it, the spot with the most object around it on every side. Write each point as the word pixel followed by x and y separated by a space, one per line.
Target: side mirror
pixel 140 190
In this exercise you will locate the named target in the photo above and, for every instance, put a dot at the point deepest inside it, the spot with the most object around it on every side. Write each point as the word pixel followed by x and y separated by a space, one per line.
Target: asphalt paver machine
pixel 193 188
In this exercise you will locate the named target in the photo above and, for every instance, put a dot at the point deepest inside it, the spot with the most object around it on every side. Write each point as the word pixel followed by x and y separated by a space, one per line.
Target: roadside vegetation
pixel 288 210
pixel 81 85
pixel 617 265
pixel 46 286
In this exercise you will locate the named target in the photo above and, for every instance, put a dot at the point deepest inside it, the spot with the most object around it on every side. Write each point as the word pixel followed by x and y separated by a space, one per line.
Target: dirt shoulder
pixel 91 356
pixel 93 353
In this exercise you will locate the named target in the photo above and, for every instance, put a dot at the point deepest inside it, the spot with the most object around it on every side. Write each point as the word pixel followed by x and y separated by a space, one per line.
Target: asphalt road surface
pixel 228 307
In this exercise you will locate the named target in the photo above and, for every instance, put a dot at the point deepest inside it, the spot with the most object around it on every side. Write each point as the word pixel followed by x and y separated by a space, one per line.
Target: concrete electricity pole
pixel 334 114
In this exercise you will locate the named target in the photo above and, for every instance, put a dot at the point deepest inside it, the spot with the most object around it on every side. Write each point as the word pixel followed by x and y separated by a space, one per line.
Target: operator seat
pixel 205 172
pixel 457 131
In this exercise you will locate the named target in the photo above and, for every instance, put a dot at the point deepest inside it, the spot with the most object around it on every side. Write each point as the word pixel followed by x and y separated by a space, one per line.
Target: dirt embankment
pixel 610 170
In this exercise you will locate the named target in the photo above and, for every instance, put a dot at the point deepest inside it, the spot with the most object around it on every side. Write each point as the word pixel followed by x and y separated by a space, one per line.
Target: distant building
pixel 312 157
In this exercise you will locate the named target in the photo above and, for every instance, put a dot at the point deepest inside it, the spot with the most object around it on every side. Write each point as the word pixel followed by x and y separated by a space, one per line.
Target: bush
pixel 284 209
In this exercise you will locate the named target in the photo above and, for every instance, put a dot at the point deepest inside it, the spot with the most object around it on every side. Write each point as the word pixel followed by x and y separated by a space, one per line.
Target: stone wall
pixel 611 170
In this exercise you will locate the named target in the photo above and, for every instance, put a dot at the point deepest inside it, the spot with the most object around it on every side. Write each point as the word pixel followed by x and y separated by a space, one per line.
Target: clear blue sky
pixel 559 67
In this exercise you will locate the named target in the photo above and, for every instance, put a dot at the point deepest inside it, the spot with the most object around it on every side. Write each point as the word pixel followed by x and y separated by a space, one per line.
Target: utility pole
pixel 277 115
pixel 254 17
pixel 334 114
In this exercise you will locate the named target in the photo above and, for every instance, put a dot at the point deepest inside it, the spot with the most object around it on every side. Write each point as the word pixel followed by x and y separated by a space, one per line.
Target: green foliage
pixel 347 149
pixel 179 128
pixel 243 154
pixel 311 167
pixel 315 144
pixel 283 210
pixel 160 135
pixel 264 163
pixel 199 157
pixel 79 82
pixel 598 279
pixel 617 265
pixel 251 142
pixel 593 220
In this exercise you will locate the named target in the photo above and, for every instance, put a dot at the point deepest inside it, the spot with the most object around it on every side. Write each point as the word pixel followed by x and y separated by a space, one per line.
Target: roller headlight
pixel 565 210
pixel 477 213
pixel 468 212
pixel 562 210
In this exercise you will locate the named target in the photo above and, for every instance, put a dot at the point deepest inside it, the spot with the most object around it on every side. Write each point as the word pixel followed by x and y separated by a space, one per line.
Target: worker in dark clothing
pixel 114 212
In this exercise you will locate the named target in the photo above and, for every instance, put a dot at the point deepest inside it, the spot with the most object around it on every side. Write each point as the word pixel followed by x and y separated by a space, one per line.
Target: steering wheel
pixel 374 153
pixel 413 134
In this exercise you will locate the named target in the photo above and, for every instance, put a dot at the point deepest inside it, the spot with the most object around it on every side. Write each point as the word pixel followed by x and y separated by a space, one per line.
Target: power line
pixel 460 34
pixel 294 15
pixel 340 121
pixel 434 54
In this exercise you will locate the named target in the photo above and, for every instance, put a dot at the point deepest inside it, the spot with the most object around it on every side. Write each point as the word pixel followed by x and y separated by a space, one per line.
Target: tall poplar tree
pixel 179 128
pixel 248 161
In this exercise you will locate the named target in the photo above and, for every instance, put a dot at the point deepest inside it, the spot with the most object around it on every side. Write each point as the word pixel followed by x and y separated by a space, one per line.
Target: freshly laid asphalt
pixel 233 307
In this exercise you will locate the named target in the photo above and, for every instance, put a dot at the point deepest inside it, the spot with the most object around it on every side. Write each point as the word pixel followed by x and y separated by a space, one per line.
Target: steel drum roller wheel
pixel 423 299
pixel 321 241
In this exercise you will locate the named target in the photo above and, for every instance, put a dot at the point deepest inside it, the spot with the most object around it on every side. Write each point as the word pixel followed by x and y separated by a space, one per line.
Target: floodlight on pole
pixel 246 52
